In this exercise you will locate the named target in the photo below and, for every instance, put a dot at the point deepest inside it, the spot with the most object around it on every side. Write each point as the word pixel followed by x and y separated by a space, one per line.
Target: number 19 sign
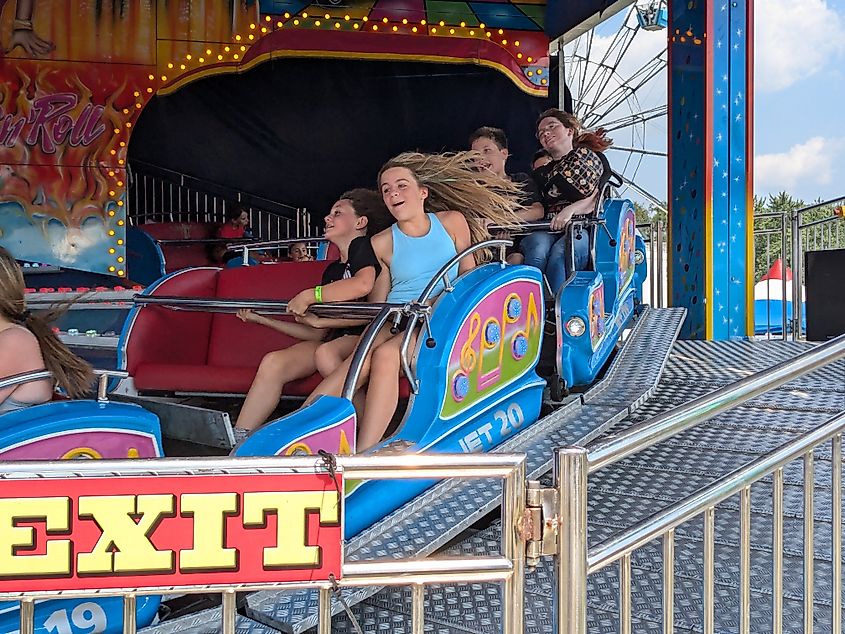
pixel 155 531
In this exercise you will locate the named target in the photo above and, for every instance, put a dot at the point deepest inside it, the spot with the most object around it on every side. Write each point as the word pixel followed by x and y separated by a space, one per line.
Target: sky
pixel 799 100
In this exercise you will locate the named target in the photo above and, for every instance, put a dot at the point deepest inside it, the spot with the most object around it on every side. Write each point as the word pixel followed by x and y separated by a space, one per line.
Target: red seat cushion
pixel 176 377
pixel 181 256
pixel 159 335
pixel 234 343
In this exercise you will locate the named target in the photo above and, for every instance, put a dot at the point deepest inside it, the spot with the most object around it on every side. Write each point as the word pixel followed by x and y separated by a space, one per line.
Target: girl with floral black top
pixel 568 186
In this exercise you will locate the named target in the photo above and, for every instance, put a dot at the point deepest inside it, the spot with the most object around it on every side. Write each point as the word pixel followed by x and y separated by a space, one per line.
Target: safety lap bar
pixel 443 274
pixel 39 375
pixel 345 310
pixel 659 428
pixel 24 377
pixel 269 244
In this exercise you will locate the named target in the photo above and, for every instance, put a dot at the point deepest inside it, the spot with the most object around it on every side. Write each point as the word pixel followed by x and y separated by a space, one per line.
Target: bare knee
pixel 327 359
pixel 273 364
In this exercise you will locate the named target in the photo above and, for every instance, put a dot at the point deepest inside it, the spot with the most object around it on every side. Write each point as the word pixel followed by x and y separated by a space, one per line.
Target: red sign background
pixel 175 532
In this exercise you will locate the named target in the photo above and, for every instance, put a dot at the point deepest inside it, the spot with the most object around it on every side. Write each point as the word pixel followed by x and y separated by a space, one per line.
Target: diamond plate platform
pixel 432 520
pixel 635 488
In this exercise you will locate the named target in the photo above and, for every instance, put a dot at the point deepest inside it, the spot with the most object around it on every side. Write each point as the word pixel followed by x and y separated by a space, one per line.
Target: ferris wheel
pixel 616 74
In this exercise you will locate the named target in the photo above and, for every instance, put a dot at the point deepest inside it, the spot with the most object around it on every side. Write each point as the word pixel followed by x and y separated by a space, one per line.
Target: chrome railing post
pixel 129 614
pixel 745 560
pixel 513 548
pixel 797 275
pixel 783 260
pixel 661 287
pixel 836 531
pixel 324 622
pixel 228 614
pixel 571 484
pixel 417 608
pixel 669 581
pixel 709 558
pixel 27 616
pixel 777 551
pixel 809 550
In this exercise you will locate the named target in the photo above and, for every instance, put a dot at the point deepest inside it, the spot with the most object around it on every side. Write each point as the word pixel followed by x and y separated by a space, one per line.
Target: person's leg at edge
pixel 535 248
pixel 382 393
pixel 557 269
pixel 276 369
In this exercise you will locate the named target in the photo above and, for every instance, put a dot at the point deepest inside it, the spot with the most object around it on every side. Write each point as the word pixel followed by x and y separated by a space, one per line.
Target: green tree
pixel 768 236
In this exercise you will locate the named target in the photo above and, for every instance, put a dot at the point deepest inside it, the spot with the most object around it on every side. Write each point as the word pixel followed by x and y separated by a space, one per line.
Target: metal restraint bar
pixel 103 377
pixel 423 309
pixel 346 310
pixel 268 245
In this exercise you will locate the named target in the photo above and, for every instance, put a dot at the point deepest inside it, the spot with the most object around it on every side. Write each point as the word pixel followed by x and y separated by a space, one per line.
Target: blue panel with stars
pixel 722 170
pixel 710 165
pixel 741 217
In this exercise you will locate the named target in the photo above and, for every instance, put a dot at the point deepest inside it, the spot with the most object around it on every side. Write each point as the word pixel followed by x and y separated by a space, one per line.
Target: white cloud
pixel 809 163
pixel 795 39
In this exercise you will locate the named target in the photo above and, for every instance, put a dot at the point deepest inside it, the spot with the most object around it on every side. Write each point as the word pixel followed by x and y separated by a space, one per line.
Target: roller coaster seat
pixel 183 255
pixel 167 351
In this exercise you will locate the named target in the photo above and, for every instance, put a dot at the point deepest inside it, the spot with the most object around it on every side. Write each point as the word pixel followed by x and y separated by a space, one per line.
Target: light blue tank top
pixel 416 260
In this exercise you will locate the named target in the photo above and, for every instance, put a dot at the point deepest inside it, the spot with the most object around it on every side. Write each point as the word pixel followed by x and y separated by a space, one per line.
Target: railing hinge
pixel 538 525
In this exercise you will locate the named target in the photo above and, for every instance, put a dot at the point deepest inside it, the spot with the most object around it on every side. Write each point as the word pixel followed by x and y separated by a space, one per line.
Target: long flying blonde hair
pixel 70 372
pixel 455 184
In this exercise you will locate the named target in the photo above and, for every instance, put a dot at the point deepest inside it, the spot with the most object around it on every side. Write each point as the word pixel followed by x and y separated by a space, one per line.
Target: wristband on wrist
pixel 318 294
pixel 22 25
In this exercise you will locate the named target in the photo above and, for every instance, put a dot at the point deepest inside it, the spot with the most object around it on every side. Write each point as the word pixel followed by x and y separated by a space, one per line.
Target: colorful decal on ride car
pixel 627 248
pixel 91 444
pixel 161 530
pixel 337 439
pixel 498 342
pixel 595 311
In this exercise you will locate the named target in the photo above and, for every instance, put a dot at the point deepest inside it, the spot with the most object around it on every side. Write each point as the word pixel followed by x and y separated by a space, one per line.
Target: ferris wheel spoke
pixel 638 150
pixel 628 89
pixel 635 118
pixel 609 64
pixel 640 77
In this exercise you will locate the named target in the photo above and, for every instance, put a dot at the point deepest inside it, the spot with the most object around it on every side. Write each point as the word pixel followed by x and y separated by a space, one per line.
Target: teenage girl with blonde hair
pixel 442 205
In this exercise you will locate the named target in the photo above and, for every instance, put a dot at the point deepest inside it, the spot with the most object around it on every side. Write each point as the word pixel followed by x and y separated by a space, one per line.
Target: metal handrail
pixel 443 273
pixel 187 180
pixel 40 375
pixel 684 510
pixel 831 201
pixel 507 566
pixel 226 241
pixel 363 348
pixel 659 428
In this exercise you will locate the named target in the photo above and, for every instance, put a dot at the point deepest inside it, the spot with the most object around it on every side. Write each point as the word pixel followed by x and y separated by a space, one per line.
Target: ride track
pixel 442 514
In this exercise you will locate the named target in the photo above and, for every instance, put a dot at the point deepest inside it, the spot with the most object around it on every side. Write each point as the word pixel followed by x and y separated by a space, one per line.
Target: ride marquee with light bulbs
pixel 76 76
